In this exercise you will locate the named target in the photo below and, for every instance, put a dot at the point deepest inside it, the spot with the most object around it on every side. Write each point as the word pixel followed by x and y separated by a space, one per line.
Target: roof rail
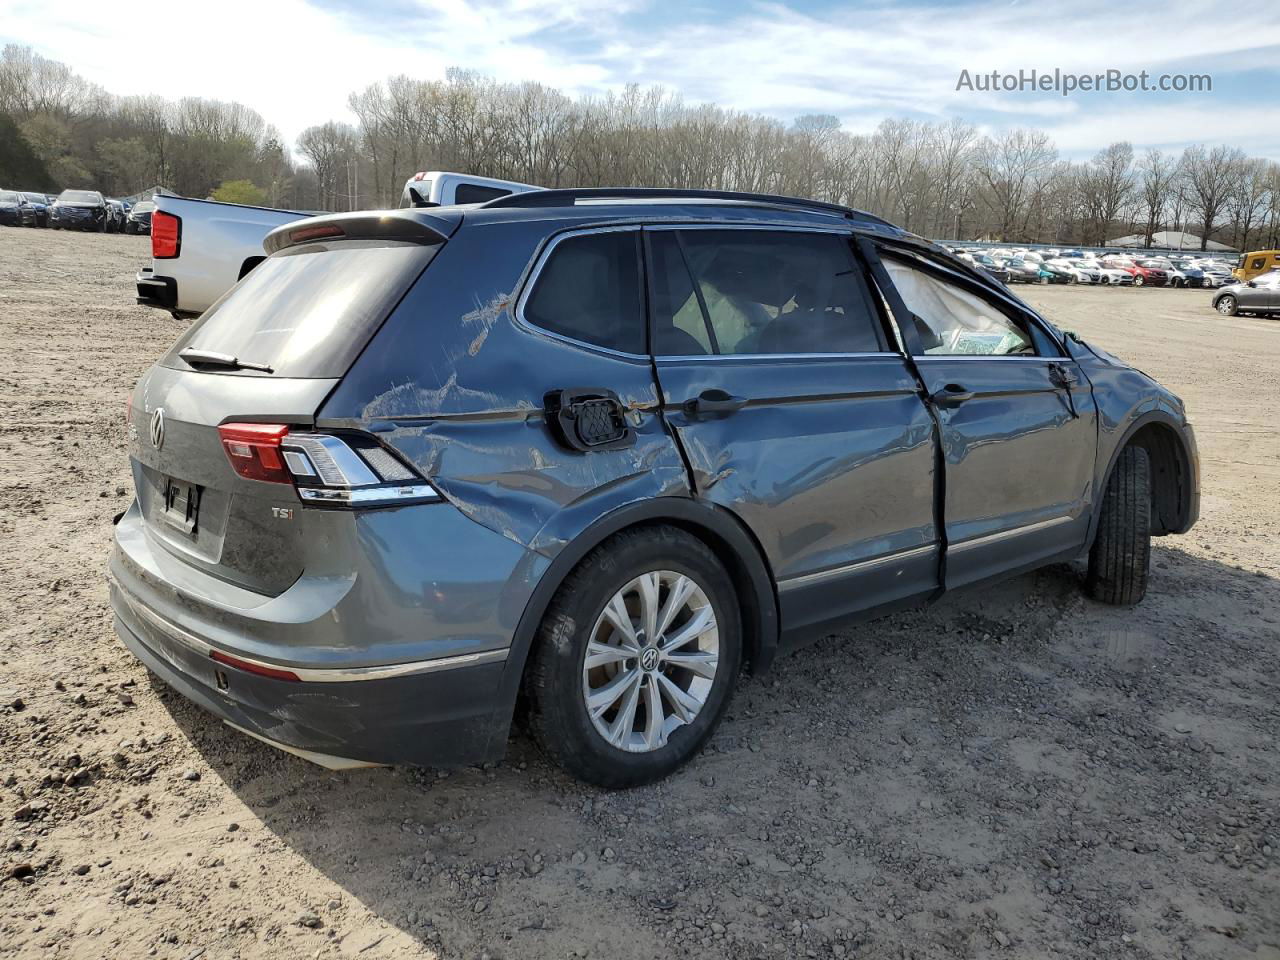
pixel 569 197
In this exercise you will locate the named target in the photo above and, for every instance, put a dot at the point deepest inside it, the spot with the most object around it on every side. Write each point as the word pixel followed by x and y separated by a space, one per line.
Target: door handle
pixel 711 402
pixel 952 395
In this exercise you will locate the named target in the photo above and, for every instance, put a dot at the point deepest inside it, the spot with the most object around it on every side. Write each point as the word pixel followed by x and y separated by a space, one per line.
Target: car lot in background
pixel 140 217
pixel 79 210
pixel 40 204
pixel 116 216
pixel 16 210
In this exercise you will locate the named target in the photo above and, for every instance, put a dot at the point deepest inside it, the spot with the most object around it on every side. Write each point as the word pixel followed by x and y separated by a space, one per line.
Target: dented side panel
pixel 456 383
pixel 830 463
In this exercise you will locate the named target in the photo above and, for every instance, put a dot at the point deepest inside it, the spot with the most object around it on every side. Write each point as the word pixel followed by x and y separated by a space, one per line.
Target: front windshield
pixel 35 197
pixel 81 196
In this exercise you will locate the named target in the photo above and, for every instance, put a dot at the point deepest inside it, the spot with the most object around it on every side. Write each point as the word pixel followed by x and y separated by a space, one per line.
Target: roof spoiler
pixel 409 226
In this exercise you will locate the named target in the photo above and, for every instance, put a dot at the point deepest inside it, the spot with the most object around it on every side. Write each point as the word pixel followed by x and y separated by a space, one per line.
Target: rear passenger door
pixel 1016 417
pixel 794 412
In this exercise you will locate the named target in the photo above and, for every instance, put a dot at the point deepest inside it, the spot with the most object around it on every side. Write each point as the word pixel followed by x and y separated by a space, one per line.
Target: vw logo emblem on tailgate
pixel 157 428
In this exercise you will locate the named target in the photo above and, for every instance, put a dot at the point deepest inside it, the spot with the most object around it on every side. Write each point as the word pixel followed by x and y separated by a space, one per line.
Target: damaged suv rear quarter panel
pixel 456 383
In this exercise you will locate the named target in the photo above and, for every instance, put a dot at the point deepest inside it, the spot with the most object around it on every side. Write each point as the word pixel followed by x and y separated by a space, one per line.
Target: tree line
pixel 946 180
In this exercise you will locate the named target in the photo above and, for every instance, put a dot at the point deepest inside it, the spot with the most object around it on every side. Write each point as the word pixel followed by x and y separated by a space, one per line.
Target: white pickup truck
pixel 201 248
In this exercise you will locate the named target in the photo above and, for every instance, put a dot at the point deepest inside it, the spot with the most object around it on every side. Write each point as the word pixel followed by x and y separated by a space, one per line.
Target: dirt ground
pixel 1016 772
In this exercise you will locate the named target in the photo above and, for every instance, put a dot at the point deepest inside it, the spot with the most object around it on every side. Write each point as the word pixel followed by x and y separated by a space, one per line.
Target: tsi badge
pixel 282 513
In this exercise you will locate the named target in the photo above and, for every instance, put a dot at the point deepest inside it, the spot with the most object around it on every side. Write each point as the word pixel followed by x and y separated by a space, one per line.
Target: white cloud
pixel 296 63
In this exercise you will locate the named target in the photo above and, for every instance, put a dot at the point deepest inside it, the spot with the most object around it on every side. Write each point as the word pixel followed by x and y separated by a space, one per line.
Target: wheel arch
pixel 719 529
pixel 1173 480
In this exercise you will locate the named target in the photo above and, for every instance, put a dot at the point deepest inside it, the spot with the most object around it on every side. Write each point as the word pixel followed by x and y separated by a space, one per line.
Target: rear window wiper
pixel 209 358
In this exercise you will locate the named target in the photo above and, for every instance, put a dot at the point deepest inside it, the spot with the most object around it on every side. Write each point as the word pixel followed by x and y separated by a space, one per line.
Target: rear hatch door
pixel 269 351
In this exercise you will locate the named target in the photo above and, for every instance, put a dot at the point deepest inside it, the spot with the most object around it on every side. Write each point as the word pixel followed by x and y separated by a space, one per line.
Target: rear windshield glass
pixel 307 311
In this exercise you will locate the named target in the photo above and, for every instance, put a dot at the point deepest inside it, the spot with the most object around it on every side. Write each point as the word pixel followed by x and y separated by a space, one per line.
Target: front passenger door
pixel 1016 419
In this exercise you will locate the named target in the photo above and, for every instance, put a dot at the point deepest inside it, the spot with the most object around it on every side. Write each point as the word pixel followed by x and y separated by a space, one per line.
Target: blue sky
pixel 295 61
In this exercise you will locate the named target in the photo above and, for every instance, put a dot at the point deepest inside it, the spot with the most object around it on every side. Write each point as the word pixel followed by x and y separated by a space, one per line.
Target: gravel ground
pixel 1015 772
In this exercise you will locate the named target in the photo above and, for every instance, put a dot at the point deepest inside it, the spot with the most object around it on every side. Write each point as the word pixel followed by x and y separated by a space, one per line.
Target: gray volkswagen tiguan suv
pixel 594 452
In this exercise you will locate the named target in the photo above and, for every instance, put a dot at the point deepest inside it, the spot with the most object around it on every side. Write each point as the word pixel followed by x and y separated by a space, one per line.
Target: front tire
pixel 636 658
pixel 1138 280
pixel 1120 558
pixel 1227 305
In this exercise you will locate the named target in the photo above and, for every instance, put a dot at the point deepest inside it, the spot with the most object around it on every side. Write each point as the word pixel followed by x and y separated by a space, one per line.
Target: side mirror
pixel 1251 283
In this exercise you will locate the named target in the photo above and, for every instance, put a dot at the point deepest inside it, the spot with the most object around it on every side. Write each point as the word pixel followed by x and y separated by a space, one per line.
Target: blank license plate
pixel 181 505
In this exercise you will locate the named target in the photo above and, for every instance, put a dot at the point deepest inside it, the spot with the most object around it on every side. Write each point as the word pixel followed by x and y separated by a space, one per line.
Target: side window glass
pixel 953 322
pixel 680 329
pixel 761 292
pixel 474 193
pixel 589 289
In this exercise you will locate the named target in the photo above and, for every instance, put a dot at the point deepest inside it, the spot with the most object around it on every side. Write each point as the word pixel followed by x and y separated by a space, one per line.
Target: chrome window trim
pixel 312 674
pixel 531 281
pixel 718 357
pixel 990 538
pixel 666 225
pixel 988 356
pixel 807 579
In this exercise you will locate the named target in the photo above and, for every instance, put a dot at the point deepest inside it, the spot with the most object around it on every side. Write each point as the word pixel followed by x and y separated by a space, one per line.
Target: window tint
pixel 589 289
pixel 1259 263
pixel 308 310
pixel 473 193
pixel 760 292
pixel 952 321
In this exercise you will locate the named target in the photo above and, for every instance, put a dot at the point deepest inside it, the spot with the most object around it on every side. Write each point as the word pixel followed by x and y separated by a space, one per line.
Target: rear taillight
pixel 254 450
pixel 166 235
pixel 327 470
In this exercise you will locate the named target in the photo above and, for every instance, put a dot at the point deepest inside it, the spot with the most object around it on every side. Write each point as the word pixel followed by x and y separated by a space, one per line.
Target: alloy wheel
pixel 650 661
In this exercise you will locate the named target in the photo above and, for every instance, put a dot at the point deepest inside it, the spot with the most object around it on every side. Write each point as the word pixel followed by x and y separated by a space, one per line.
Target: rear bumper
pixel 392 653
pixel 153 291
pixel 442 718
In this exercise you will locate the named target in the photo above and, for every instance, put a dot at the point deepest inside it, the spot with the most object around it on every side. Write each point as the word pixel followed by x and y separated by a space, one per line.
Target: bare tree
pixel 1209 175
pixel 1010 170
pixel 1157 173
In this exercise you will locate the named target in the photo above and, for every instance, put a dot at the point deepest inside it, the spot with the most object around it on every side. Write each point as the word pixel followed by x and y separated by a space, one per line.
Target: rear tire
pixel 560 682
pixel 1120 559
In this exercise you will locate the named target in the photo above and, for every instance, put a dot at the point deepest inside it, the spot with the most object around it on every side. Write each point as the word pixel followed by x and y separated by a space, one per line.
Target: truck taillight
pixel 166 235
pixel 327 470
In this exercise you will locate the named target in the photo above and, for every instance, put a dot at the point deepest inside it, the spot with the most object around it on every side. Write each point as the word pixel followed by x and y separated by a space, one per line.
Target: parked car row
pixel 1020 265
pixel 74 210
